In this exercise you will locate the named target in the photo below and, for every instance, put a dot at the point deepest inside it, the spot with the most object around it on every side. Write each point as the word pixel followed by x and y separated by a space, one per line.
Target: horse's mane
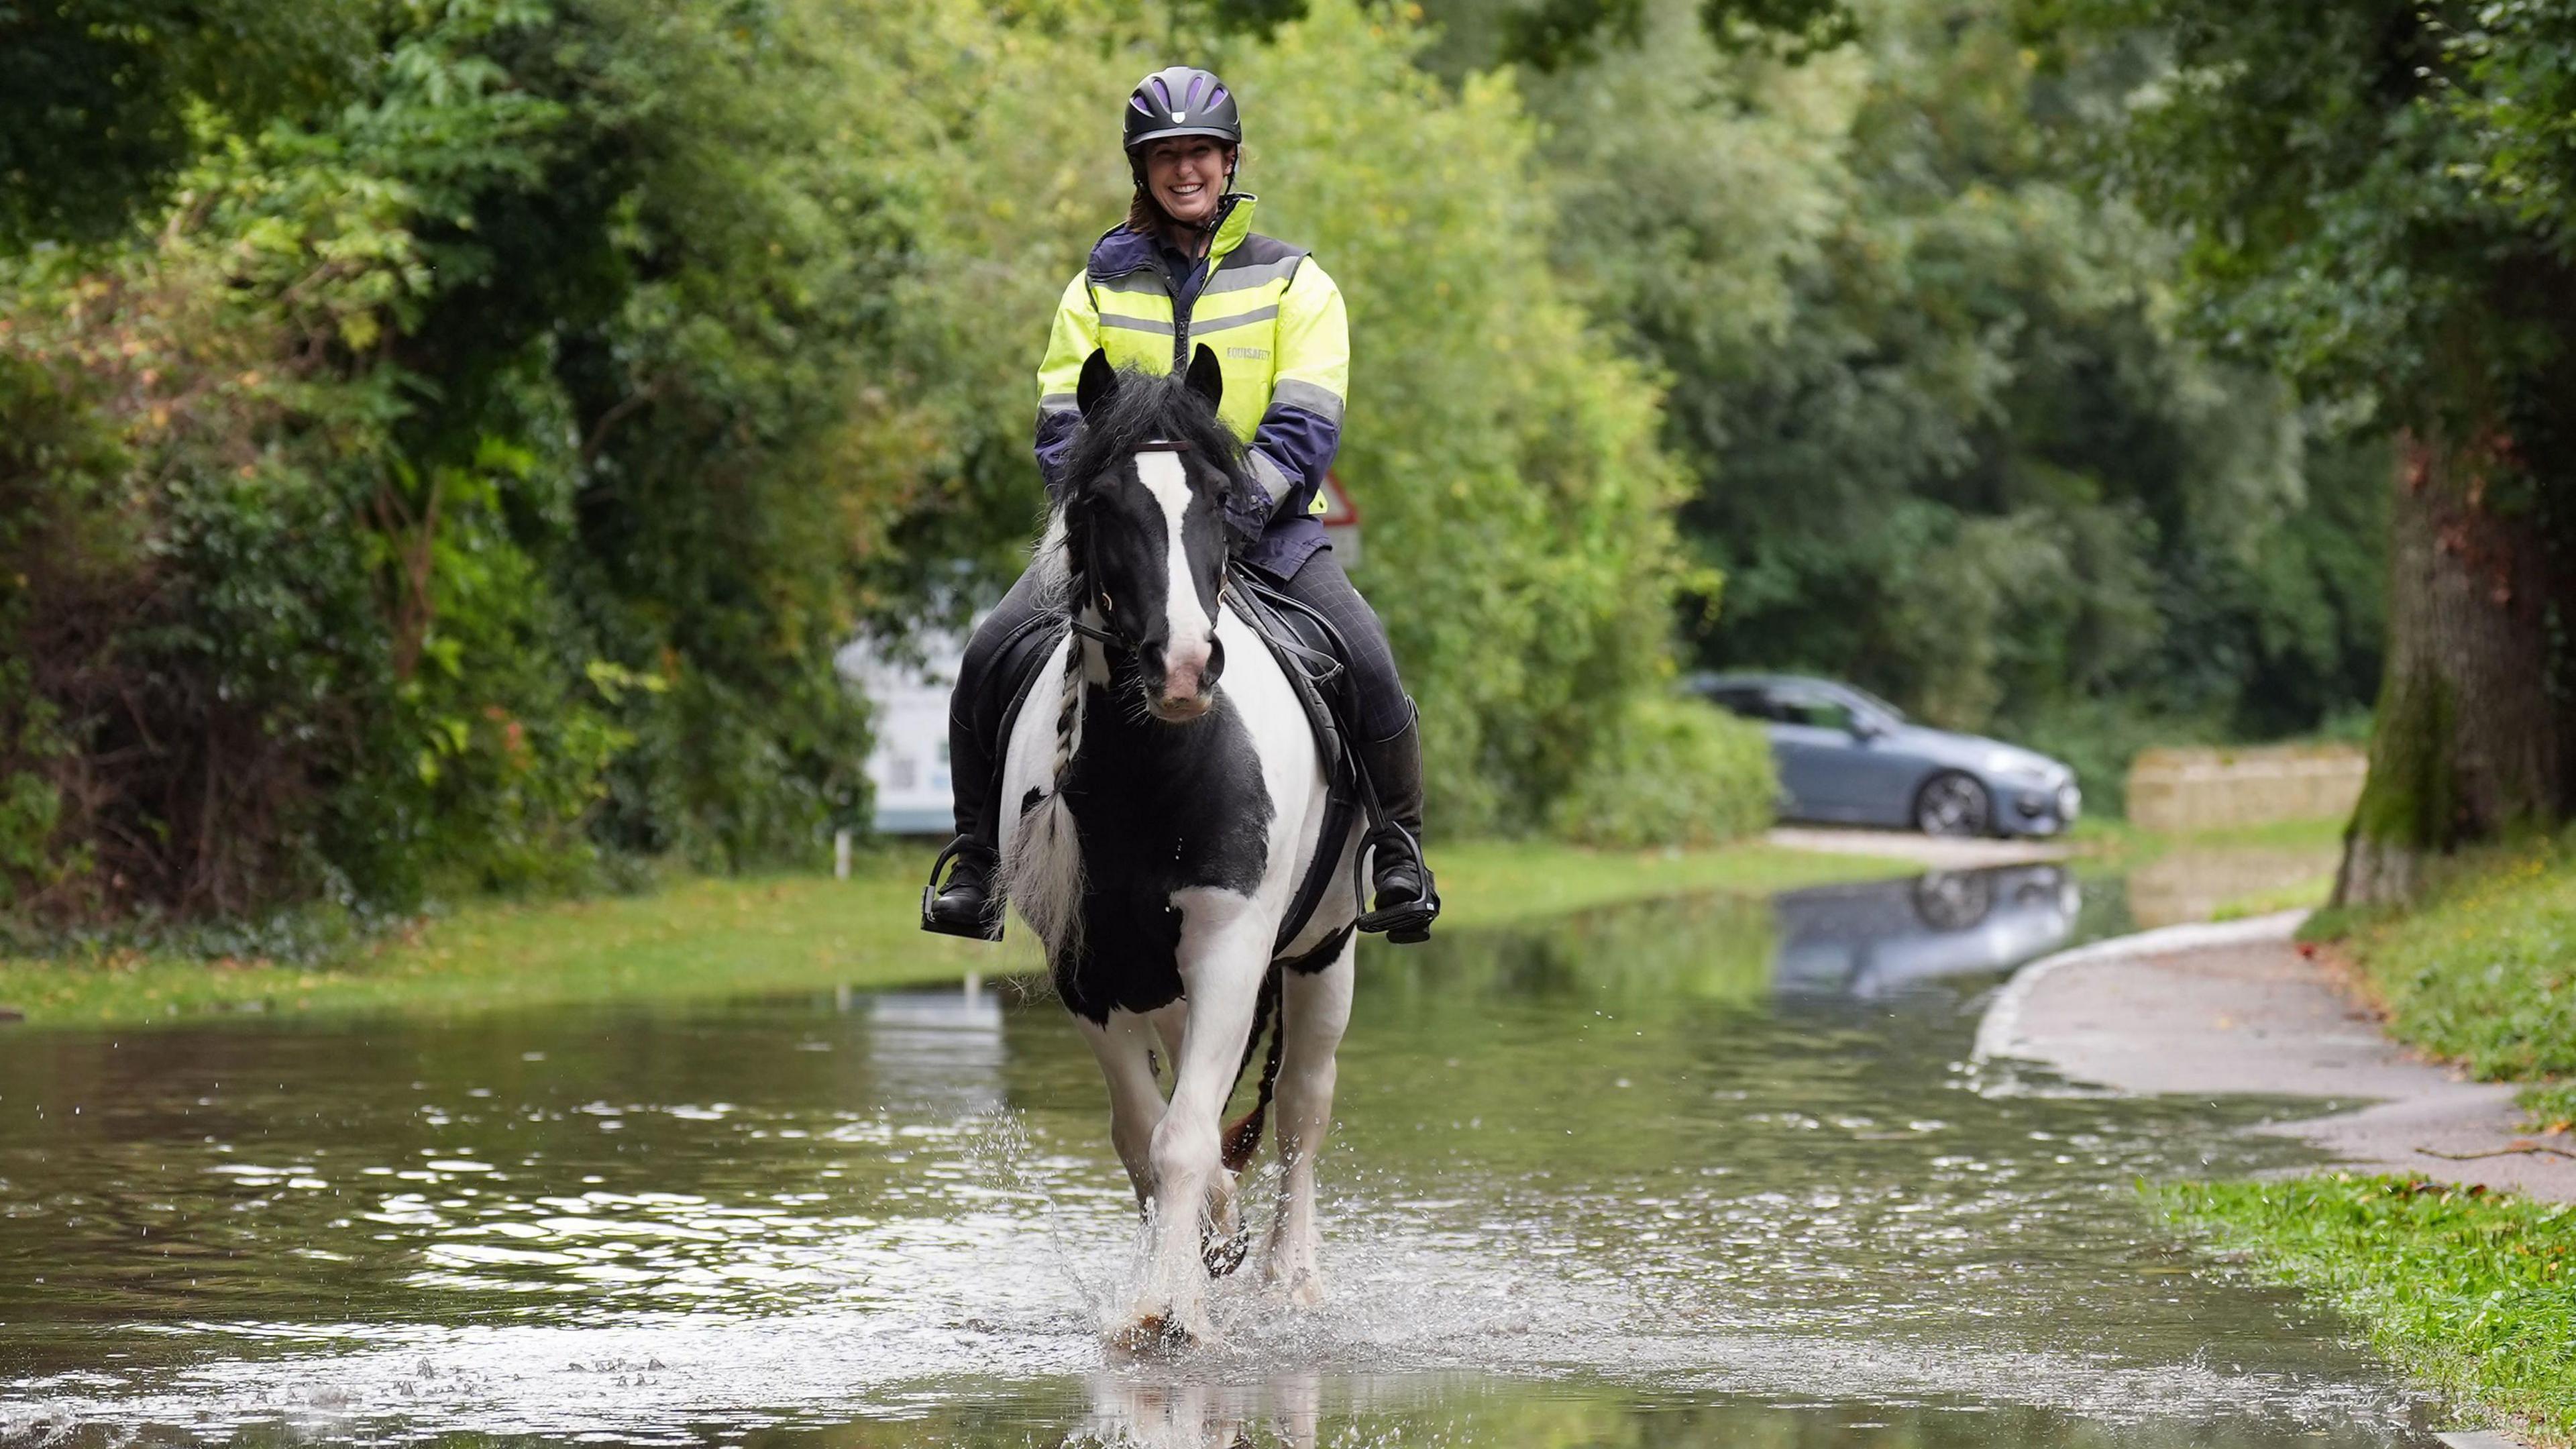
pixel 1146 408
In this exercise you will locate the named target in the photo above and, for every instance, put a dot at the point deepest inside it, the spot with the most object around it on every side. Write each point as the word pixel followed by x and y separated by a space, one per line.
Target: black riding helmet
pixel 1180 100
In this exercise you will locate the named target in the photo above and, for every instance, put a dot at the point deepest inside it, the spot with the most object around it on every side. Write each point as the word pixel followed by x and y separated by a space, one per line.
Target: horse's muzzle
pixel 1186 688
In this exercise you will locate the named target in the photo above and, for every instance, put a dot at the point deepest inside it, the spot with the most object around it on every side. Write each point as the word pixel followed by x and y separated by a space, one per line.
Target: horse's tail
pixel 1042 865
pixel 1244 1138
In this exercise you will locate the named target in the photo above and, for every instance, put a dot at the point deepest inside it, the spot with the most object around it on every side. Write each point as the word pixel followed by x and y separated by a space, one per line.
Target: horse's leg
pixel 1300 1399
pixel 1224 952
pixel 1221 1244
pixel 1124 1047
pixel 1315 1008
pixel 1172 1024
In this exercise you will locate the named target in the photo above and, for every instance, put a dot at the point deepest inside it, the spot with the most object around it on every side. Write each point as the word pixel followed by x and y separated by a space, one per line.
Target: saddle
pixel 1312 655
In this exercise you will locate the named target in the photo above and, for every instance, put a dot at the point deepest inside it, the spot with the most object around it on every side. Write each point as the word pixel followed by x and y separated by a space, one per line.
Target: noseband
pixel 1108 638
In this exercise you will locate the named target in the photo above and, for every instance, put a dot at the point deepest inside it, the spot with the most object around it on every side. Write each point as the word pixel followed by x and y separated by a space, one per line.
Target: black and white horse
pixel 1163 828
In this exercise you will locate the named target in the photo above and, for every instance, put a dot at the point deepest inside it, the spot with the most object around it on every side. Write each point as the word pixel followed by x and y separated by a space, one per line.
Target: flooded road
pixel 1691 1172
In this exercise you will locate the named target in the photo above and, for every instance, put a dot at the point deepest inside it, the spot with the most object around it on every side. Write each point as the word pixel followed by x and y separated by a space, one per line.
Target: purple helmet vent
pixel 1162 92
pixel 1197 83
pixel 1138 101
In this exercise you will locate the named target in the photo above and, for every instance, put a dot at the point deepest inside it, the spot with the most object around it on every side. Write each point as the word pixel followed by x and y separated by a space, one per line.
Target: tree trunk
pixel 2470 739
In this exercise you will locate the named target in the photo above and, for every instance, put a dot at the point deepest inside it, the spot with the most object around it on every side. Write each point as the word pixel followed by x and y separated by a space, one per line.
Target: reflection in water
pixel 1188 1414
pixel 1666 1174
pixel 1876 937
pixel 2191 882
pixel 938 1053
pixel 1304 1410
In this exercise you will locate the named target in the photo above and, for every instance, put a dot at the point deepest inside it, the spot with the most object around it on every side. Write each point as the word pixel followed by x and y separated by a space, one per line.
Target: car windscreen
pixel 1822 711
pixel 1745 702
pixel 1873 701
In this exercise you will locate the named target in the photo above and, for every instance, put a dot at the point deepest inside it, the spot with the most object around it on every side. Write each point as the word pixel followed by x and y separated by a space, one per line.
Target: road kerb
pixel 1999 1032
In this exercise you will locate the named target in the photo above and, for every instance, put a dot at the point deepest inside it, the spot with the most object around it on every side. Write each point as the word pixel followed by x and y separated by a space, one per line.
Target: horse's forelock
pixel 1146 408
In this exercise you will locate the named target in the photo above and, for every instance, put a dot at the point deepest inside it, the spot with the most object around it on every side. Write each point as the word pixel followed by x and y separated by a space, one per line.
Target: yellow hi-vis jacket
pixel 1276 324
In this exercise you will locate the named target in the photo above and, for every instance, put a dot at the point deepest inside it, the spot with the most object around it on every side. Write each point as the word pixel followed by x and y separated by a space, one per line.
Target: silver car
pixel 1847 757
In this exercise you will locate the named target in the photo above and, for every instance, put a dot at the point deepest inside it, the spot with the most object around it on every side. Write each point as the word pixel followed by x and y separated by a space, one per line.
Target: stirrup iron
pixel 1407 923
pixel 987 925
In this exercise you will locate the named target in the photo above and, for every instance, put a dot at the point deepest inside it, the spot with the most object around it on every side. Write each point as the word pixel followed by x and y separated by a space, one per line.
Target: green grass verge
pixel 2121 842
pixel 2552 1105
pixel 736 936
pixel 2310 892
pixel 2483 972
pixel 2474 1293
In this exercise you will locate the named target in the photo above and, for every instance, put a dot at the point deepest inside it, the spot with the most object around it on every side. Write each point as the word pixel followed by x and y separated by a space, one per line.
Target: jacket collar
pixel 1120 251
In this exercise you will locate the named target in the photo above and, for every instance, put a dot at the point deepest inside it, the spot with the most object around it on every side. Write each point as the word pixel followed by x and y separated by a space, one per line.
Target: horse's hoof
pixel 1162 1335
pixel 1150 1335
pixel 1301 1289
pixel 1223 1254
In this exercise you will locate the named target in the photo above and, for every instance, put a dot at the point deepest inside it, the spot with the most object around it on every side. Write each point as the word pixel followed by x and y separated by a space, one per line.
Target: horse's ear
pixel 1099 380
pixel 1207 375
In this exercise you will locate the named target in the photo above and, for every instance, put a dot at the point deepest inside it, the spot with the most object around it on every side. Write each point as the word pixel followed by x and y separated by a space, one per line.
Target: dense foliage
pixel 1946 438
pixel 461 479
pixel 1674 772
pixel 431 491
pixel 2377 202
pixel 98 94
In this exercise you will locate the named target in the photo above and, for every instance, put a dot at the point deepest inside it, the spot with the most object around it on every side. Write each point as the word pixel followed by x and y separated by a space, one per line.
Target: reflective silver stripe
pixel 1219 324
pixel 1139 324
pixel 1058 402
pixel 1272 479
pixel 1320 401
pixel 1140 284
pixel 1237 279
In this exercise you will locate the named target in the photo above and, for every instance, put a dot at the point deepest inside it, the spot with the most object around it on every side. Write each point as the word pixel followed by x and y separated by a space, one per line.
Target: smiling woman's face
pixel 1186 175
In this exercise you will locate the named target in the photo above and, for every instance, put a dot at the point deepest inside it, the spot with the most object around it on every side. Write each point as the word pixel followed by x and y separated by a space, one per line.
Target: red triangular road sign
pixel 1339 510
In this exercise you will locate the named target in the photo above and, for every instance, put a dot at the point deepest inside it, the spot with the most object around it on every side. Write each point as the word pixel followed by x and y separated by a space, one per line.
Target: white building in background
pixel 909 763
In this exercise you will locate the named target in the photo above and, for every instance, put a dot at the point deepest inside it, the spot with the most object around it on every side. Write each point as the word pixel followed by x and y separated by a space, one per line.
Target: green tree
pixel 95 95
pixel 435 491
pixel 2377 201
pixel 1946 437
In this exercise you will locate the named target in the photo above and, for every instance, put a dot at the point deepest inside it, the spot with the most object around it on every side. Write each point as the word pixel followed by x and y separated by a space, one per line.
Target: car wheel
pixel 1952 804
pixel 1954 900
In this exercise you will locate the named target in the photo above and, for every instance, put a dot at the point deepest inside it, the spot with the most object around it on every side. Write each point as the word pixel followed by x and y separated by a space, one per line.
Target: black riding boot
pixel 966 905
pixel 1407 899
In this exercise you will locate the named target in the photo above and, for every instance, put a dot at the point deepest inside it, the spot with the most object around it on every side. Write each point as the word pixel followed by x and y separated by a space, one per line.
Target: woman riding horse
pixel 1186 268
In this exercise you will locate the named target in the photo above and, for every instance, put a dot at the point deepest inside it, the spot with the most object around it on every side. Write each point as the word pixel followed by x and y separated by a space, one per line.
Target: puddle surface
pixel 1670 1174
